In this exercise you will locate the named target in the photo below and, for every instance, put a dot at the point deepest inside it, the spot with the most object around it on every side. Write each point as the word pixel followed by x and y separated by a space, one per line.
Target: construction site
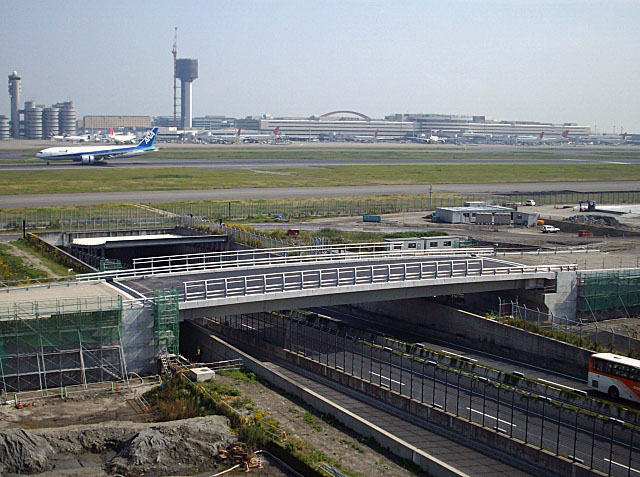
pixel 117 348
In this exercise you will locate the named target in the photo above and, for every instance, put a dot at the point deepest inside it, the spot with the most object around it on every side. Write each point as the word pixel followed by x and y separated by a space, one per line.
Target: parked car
pixel 529 202
pixel 549 229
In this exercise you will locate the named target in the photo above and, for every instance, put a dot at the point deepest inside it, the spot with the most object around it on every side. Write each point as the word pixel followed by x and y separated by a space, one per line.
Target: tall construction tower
pixel 187 71
pixel 15 89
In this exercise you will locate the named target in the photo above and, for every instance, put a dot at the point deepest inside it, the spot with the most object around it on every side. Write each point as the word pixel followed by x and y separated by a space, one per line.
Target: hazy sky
pixel 546 60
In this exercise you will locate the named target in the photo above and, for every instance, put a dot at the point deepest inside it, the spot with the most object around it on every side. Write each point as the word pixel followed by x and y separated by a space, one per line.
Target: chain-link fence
pixel 107 217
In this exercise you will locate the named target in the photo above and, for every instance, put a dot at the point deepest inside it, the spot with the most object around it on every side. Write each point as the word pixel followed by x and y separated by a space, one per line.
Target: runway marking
pixel 492 417
pixel 617 162
pixel 247 326
pixel 384 377
pixel 623 466
pixel 575 160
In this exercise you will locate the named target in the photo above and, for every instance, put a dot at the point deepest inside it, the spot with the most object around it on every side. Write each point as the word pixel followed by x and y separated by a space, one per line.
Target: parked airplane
pixel 529 139
pixel 553 139
pixel 90 155
pixel 122 138
pixel 259 137
pixel 366 138
pixel 430 139
pixel 227 138
pixel 611 139
pixel 66 137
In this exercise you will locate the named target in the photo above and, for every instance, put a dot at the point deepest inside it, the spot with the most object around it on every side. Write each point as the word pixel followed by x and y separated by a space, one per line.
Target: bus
pixel 617 376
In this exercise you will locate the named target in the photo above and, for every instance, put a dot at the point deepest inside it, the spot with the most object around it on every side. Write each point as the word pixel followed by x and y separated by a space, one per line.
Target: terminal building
pixel 101 123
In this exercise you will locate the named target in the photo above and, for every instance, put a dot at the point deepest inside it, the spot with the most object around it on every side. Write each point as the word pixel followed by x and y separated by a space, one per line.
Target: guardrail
pixel 267 257
pixel 279 282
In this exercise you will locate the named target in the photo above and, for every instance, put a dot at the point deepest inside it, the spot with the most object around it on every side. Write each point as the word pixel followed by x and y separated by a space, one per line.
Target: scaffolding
pixel 166 327
pixel 110 264
pixel 64 342
pixel 608 291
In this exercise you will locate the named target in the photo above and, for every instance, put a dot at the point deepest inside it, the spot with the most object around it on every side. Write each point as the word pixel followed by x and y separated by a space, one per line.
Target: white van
pixel 529 202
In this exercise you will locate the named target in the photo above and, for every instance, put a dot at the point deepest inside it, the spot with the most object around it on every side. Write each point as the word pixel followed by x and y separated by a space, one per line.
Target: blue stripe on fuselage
pixel 104 152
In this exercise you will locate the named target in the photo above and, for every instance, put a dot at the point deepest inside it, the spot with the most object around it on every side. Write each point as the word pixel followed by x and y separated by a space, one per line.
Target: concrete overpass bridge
pixel 223 283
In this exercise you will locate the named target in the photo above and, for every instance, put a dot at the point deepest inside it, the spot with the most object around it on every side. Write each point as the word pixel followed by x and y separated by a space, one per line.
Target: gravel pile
pixel 601 220
pixel 167 448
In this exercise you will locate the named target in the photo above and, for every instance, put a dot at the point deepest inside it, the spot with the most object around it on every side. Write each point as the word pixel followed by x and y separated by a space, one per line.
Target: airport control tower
pixel 15 88
pixel 186 71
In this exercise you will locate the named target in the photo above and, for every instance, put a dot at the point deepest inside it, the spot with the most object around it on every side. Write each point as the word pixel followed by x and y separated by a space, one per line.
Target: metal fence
pixel 602 443
pixel 108 217
pixel 610 334
pixel 279 282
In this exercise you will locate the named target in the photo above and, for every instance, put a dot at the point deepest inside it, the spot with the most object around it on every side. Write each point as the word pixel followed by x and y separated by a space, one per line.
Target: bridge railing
pixel 257 258
pixel 278 282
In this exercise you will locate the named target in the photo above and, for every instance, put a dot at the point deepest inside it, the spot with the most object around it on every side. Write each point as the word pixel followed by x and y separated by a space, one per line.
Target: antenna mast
pixel 174 51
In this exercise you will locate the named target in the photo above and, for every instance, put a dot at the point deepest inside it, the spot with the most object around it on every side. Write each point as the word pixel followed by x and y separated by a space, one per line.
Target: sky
pixel 543 60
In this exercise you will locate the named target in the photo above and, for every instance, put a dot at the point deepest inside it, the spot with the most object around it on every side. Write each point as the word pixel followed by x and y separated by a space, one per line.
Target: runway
pixel 328 155
pixel 49 200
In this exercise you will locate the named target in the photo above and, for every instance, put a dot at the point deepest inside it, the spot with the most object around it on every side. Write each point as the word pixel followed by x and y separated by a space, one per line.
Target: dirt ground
pixel 607 252
pixel 334 440
pixel 102 444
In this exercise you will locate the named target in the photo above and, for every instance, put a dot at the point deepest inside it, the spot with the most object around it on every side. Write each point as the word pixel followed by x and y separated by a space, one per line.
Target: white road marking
pixel 384 377
pixel 617 162
pixel 492 417
pixel 247 326
pixel 622 465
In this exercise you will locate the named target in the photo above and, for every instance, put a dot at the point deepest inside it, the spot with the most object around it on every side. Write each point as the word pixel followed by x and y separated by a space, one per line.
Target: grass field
pixel 13 268
pixel 133 179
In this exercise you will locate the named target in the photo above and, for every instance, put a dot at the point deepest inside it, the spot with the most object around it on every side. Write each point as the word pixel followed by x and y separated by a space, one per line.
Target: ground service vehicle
pixel 549 229
pixel 618 376
pixel 529 202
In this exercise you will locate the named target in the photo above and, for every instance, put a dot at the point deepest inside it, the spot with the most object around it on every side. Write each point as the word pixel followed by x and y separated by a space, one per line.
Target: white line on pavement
pixel 384 377
pixel 492 417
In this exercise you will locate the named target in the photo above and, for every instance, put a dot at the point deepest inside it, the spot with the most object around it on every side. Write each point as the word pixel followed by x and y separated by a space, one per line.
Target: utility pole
pixel 174 51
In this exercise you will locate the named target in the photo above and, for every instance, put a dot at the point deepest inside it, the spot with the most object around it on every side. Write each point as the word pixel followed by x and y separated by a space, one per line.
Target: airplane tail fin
pixel 276 131
pixel 149 138
pixel 239 131
pixel 542 135
pixel 624 136
pixel 565 134
pixel 111 131
pixel 376 134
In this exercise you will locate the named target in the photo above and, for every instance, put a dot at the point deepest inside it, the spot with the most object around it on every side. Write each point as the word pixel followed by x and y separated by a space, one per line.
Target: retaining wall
pixel 467 329
pixel 547 462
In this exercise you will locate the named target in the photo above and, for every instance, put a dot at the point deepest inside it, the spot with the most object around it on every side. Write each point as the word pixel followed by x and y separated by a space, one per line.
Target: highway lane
pixel 156 197
pixel 536 421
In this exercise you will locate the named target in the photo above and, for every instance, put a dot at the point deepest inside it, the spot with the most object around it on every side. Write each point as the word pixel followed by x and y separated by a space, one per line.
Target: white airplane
pixel 606 139
pixel 376 137
pixel 431 139
pixel 66 137
pixel 259 137
pixel 122 138
pixel 227 138
pixel 553 139
pixel 530 139
pixel 90 155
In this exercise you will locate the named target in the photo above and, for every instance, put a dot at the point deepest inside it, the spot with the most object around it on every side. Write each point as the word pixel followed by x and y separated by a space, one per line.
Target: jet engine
pixel 88 160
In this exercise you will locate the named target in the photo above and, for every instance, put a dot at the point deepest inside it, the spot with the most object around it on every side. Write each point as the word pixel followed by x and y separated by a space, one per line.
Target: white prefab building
pixel 484 215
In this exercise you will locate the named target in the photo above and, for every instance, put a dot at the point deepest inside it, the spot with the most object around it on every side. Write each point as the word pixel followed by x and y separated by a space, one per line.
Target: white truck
pixel 549 229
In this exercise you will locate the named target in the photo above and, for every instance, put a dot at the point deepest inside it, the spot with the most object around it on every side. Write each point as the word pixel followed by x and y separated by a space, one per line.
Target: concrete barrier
pixel 467 329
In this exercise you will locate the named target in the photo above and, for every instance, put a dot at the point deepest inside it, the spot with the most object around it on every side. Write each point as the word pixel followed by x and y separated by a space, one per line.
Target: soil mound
pixel 23 452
